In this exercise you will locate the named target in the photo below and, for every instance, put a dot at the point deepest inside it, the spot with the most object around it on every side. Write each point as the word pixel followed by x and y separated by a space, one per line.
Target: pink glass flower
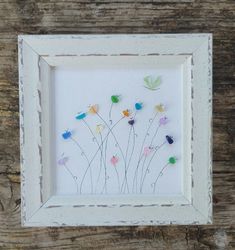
pixel 147 151
pixel 114 160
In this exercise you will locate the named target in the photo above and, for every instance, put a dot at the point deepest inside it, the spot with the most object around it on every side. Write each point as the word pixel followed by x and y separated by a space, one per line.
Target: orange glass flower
pixel 126 113
pixel 93 109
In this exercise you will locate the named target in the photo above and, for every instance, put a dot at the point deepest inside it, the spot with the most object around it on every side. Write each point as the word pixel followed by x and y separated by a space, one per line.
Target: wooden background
pixel 120 16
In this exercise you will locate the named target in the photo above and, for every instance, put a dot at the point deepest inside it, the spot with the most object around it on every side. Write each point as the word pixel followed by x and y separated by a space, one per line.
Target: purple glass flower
pixel 163 120
pixel 63 160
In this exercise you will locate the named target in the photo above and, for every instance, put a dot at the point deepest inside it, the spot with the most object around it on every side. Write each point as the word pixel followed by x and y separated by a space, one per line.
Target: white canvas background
pixel 77 88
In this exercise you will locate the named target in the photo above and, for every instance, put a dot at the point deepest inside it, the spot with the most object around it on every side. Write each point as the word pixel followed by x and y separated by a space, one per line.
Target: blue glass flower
pixel 169 139
pixel 138 106
pixel 66 135
pixel 81 116
pixel 131 122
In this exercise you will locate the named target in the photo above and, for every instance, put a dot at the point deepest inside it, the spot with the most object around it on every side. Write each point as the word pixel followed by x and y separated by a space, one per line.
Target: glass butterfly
pixel 152 83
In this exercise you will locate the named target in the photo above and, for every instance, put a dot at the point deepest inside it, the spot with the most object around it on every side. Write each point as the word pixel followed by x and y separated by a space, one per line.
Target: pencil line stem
pixel 73 176
pixel 154 136
pixel 132 151
pixel 89 165
pixel 127 148
pixel 101 157
pixel 116 141
pixel 140 155
pixel 160 173
pixel 110 113
pixel 84 154
pixel 142 172
pixel 148 166
pixel 117 178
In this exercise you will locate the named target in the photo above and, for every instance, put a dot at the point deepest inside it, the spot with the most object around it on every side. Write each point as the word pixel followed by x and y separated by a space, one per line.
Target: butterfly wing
pixel 147 79
pixel 157 82
pixel 148 82
pixel 152 84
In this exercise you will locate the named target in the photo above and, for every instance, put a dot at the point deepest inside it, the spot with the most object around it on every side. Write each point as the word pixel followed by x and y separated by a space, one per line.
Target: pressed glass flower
pixel 138 106
pixel 63 160
pixel 163 120
pixel 99 128
pixel 160 108
pixel 147 150
pixel 114 160
pixel 172 160
pixel 115 98
pixel 169 139
pixel 93 109
pixel 131 122
pixel 66 135
pixel 126 113
pixel 81 116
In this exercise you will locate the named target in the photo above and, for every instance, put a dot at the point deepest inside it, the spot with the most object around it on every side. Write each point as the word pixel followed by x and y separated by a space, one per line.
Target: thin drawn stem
pixel 132 151
pixel 151 145
pixel 105 185
pixel 117 178
pixel 142 172
pixel 110 113
pixel 113 136
pixel 160 174
pixel 105 159
pixel 73 176
pixel 126 184
pixel 127 165
pixel 148 166
pixel 127 148
pixel 141 153
pixel 133 147
pixel 131 155
pixel 89 165
pixel 105 180
pixel 84 154
pixel 95 139
pixel 155 134
pixel 106 145
pixel 101 157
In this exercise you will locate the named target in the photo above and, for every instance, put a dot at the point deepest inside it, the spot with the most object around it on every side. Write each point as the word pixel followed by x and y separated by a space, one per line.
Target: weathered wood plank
pixel 120 16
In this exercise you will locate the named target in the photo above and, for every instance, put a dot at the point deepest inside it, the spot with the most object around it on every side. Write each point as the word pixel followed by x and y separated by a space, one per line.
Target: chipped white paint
pixel 221 239
pixel 37 54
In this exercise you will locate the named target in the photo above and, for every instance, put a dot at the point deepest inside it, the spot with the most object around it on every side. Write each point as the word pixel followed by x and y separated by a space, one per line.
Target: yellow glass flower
pixel 93 109
pixel 160 108
pixel 99 128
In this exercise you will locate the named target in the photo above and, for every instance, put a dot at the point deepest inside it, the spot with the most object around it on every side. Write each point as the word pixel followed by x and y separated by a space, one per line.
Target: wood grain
pixel 120 16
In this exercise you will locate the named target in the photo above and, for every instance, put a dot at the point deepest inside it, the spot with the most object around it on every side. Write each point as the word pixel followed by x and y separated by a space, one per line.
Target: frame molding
pixel 38 54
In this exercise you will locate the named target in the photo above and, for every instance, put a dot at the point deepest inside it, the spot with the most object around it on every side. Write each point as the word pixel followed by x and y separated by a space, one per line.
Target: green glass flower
pixel 115 98
pixel 172 160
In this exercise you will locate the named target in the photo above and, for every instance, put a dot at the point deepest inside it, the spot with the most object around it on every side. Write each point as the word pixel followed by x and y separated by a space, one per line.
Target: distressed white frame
pixel 38 55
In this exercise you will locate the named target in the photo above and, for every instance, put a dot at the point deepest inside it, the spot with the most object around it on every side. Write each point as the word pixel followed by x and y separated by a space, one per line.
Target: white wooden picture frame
pixel 41 55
